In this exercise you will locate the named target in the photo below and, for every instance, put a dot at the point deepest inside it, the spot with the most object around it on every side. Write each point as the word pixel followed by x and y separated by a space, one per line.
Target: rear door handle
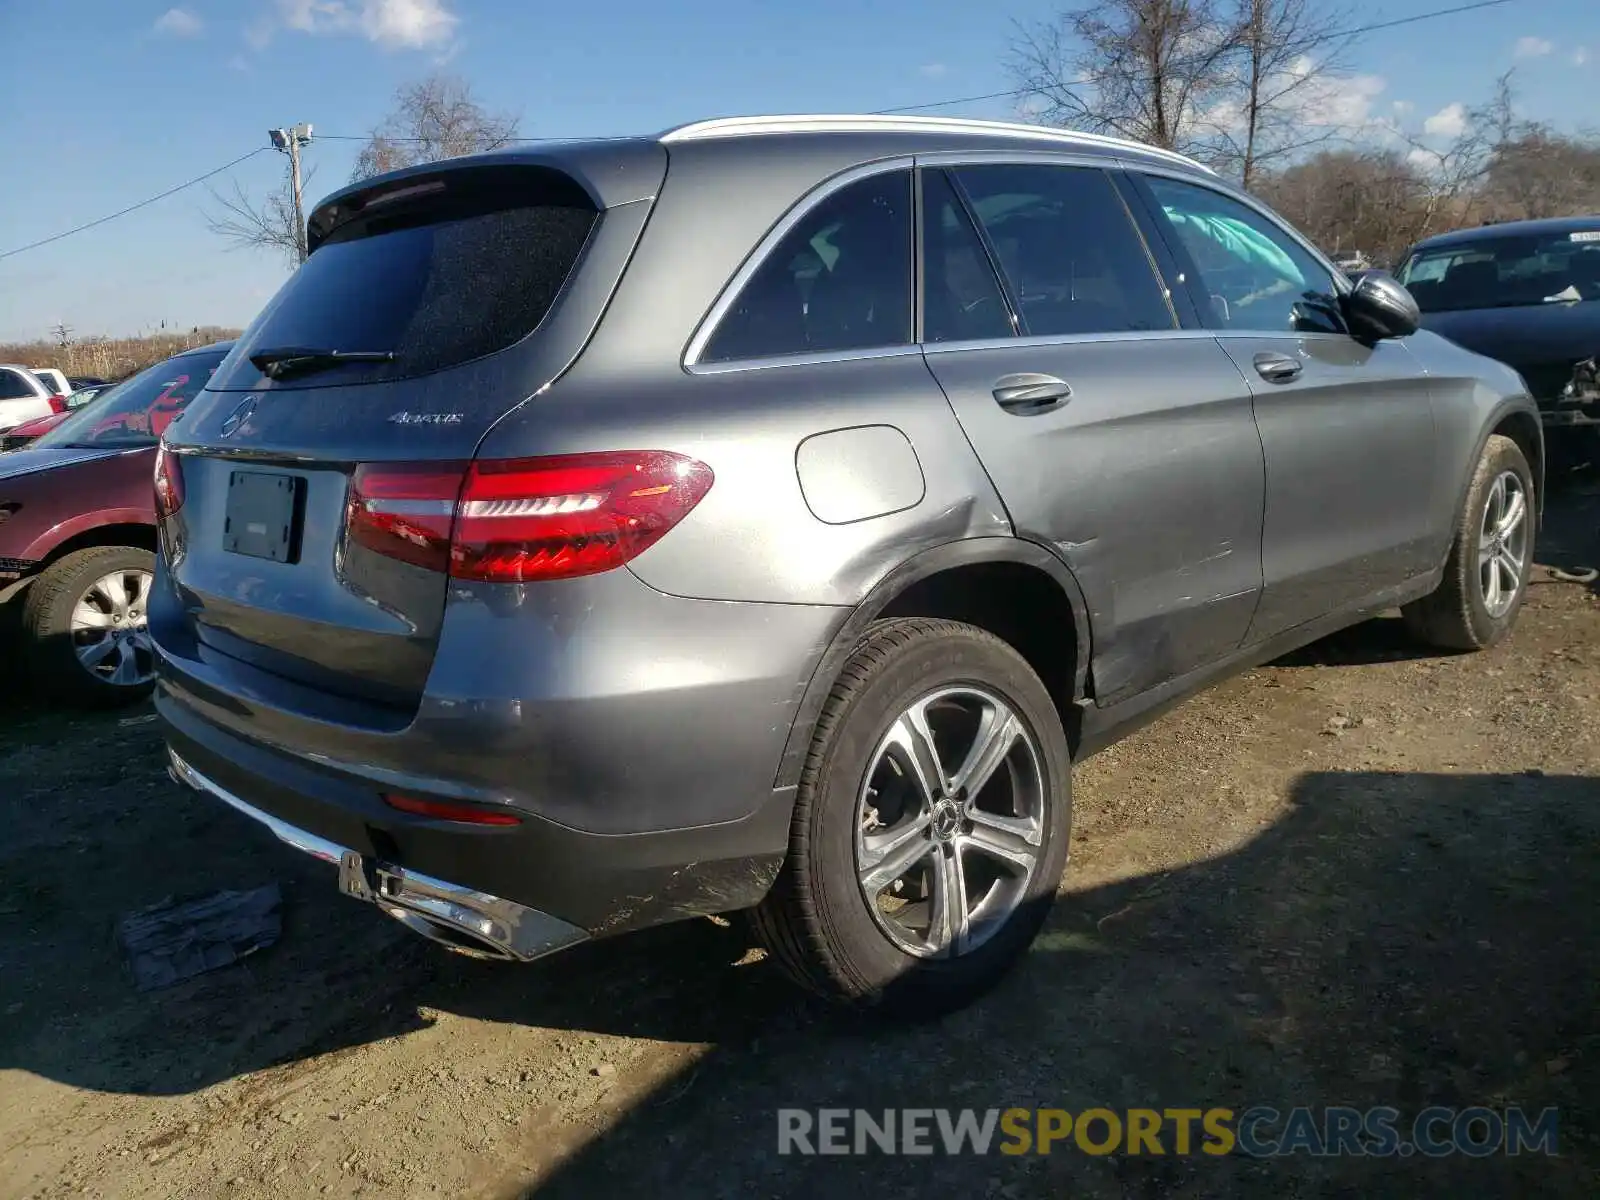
pixel 1026 392
pixel 1277 368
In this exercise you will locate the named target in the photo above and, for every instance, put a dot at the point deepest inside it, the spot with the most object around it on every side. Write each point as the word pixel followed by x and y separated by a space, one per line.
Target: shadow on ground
pixel 1404 940
pixel 1396 939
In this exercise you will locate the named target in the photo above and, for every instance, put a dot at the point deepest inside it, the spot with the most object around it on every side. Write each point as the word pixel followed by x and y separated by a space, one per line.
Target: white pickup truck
pixel 26 394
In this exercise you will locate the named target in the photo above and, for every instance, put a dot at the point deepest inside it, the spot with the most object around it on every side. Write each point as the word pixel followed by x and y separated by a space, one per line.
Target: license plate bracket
pixel 263 515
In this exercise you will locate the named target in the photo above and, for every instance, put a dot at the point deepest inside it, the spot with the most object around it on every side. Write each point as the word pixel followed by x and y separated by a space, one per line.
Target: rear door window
pixel 440 279
pixel 1073 257
pixel 839 280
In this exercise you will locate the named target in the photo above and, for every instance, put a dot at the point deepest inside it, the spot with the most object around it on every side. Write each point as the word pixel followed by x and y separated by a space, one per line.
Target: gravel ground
pixel 1357 876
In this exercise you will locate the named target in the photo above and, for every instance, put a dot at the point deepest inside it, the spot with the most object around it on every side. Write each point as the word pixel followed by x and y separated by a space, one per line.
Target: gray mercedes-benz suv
pixel 765 515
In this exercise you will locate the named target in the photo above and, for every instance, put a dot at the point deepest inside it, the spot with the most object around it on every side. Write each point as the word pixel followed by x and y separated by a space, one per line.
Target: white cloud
pixel 178 22
pixel 1449 122
pixel 1532 47
pixel 395 24
pixel 1404 108
pixel 1322 101
pixel 1427 160
pixel 1580 56
pixel 933 70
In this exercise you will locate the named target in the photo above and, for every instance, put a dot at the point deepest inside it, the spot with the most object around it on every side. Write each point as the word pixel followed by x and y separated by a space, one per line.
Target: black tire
pixel 48 644
pixel 1456 615
pixel 816 922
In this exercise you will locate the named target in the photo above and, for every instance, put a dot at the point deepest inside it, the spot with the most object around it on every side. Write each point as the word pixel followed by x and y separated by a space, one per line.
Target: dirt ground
pixel 1358 876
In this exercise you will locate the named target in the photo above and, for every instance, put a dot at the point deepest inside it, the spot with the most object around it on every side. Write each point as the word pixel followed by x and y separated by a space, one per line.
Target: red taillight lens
pixel 405 510
pixel 444 810
pixel 58 403
pixel 556 518
pixel 523 520
pixel 169 483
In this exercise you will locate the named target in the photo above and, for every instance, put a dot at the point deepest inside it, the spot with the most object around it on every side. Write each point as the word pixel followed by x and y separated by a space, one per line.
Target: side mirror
pixel 1379 307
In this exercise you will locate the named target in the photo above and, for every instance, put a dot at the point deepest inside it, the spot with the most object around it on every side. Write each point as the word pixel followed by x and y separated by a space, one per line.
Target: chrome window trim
pixel 1067 339
pixel 797 212
pixel 862 354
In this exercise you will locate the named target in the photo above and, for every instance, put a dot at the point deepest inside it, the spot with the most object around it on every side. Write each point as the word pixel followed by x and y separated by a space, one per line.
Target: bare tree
pixel 433 118
pixel 269 225
pixel 62 332
pixel 1285 58
pixel 1142 69
pixel 1351 199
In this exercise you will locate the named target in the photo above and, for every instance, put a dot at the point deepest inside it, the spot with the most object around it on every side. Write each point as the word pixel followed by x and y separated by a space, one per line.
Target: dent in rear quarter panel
pixel 1470 395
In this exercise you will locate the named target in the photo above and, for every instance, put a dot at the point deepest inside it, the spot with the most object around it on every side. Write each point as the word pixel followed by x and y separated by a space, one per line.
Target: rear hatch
pixel 433 302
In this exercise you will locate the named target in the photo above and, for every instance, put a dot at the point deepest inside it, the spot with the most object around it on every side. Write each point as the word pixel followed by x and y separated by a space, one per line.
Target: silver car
pixel 763 517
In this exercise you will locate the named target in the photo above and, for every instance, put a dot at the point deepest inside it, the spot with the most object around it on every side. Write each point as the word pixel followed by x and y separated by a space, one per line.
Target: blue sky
pixel 126 98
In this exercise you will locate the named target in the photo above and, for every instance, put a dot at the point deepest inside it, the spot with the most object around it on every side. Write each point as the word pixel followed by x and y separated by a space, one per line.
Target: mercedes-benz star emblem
pixel 237 417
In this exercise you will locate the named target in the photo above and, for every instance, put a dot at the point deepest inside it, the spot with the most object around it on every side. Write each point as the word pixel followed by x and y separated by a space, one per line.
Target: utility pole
pixel 289 142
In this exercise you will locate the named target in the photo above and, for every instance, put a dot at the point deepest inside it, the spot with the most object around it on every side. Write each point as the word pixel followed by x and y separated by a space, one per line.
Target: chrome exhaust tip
pixel 461 919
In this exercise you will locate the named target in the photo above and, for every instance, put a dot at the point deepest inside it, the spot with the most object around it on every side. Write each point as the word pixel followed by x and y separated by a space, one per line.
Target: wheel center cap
pixel 946 821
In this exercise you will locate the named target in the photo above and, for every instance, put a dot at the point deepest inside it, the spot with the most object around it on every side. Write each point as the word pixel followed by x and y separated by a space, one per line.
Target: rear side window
pixel 961 298
pixel 12 387
pixel 839 280
pixel 438 280
pixel 1070 250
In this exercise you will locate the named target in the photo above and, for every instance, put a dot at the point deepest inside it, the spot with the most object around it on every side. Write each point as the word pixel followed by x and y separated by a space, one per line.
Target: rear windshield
pixel 137 412
pixel 1506 271
pixel 435 281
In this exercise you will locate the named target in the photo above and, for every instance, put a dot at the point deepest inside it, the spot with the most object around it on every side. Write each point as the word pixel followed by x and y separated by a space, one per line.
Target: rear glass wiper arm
pixel 295 360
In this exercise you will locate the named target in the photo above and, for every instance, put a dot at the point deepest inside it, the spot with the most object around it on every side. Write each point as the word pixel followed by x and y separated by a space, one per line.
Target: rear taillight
pixel 523 520
pixel 169 483
pixel 405 510
pixel 58 403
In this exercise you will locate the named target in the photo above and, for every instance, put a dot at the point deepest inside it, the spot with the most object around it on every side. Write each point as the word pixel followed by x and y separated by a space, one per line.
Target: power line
pixel 56 237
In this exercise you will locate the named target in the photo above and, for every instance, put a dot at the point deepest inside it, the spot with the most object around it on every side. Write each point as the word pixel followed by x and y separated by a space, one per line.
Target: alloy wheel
pixel 1503 543
pixel 950 822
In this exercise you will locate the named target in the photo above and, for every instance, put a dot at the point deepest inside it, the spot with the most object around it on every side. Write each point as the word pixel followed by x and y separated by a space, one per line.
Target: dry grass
pixel 110 358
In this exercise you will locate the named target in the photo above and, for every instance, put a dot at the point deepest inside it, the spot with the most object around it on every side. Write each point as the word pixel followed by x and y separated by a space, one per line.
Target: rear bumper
pixel 465 920
pixel 553 883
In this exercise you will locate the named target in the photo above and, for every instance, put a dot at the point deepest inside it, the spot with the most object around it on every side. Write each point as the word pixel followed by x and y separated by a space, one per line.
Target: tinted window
pixel 961 296
pixel 12 387
pixel 1070 251
pixel 840 279
pixel 1254 275
pixel 138 411
pixel 439 281
pixel 1507 271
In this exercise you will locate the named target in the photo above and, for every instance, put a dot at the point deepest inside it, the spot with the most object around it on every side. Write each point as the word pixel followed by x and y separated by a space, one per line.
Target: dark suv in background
pixel 763 516
pixel 1526 293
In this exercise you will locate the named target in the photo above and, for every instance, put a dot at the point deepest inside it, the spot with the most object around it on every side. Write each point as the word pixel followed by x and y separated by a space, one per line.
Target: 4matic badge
pixel 411 418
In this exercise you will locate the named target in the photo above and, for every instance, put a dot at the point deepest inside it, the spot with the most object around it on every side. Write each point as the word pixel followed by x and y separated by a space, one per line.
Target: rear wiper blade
pixel 298 360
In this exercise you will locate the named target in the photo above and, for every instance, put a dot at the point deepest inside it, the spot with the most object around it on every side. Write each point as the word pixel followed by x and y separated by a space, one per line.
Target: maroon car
pixel 78 539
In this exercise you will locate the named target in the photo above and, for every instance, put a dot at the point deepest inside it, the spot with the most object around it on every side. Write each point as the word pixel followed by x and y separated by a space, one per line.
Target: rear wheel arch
pixel 1013 588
